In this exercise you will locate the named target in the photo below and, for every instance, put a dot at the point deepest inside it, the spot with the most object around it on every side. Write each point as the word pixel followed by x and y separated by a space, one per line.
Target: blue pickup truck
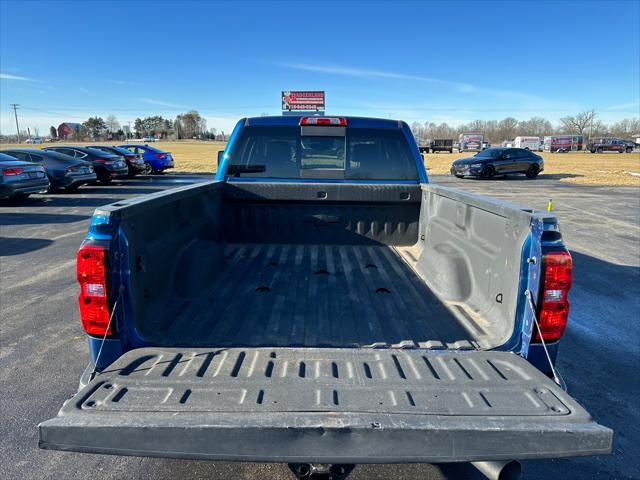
pixel 320 303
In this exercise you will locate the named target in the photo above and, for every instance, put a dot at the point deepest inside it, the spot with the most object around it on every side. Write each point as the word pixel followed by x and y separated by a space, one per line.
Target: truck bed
pixel 318 295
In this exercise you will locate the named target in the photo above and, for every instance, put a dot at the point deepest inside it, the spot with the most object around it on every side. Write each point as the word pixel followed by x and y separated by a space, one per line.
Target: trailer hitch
pixel 321 471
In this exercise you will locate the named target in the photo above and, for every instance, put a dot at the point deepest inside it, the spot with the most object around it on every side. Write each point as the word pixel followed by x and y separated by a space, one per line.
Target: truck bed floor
pixel 317 295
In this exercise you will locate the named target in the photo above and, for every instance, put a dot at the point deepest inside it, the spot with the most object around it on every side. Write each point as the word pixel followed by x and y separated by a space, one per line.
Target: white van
pixel 528 143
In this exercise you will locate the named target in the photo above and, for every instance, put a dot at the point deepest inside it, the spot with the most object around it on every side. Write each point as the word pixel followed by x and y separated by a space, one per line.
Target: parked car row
pixel 31 170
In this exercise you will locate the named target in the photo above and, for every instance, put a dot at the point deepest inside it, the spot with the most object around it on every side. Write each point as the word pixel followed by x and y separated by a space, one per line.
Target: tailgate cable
pixel 556 378
pixel 104 337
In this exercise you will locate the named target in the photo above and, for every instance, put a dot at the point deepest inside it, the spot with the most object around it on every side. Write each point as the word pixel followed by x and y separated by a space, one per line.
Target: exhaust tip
pixel 511 471
pixel 303 470
pixel 507 470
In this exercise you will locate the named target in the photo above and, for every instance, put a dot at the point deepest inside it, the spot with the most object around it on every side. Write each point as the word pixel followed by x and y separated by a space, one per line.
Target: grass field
pixel 579 167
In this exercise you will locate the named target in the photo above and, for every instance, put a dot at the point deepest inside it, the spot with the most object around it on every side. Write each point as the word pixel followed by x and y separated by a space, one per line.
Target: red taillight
pixel 159 155
pixel 328 121
pixel 91 269
pixel 554 305
pixel 100 160
pixel 7 172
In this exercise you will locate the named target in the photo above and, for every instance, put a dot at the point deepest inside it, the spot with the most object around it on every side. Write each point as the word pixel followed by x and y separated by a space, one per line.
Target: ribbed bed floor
pixel 317 295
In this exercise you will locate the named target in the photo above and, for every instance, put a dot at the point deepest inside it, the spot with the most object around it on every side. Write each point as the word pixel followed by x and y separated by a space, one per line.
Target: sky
pixel 416 61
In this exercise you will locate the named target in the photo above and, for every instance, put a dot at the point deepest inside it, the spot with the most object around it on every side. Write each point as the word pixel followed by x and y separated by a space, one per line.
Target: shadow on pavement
pixel 558 176
pixel 124 190
pixel 16 246
pixel 72 201
pixel 542 176
pixel 27 218
pixel 599 358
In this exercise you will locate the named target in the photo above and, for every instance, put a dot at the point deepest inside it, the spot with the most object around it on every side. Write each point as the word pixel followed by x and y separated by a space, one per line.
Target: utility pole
pixel 15 113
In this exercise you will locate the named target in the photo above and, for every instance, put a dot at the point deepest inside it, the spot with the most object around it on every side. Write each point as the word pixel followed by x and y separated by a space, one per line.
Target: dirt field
pixel 579 167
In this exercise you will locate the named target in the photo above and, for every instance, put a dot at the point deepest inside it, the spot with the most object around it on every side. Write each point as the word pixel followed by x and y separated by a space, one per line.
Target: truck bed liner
pixel 317 295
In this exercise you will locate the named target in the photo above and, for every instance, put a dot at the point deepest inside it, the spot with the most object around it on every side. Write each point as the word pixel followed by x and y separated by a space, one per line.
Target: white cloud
pixel 159 103
pixel 125 82
pixel 367 73
pixel 460 87
pixel 7 76
pixel 625 106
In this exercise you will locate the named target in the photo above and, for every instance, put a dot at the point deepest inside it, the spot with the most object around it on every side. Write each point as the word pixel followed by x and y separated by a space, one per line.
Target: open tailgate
pixel 324 405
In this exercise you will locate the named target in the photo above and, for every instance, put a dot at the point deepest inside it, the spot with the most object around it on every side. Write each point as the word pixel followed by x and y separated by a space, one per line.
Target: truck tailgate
pixel 324 405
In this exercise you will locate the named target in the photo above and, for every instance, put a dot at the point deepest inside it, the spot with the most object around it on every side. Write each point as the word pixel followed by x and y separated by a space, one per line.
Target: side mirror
pixel 220 156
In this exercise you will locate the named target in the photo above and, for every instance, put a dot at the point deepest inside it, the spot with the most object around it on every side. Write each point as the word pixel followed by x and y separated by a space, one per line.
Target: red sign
pixel 302 101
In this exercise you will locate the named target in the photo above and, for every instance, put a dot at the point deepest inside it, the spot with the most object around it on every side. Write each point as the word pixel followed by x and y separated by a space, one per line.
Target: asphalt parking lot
pixel 43 349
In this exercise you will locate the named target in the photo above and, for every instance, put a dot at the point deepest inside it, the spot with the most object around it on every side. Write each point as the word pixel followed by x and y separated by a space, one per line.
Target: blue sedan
pixel 155 159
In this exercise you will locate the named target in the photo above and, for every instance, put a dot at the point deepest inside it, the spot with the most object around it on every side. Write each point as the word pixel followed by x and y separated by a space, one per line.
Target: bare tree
pixel 626 128
pixel 112 123
pixel 418 131
pixel 535 126
pixel 444 131
pixel 579 123
pixel 506 129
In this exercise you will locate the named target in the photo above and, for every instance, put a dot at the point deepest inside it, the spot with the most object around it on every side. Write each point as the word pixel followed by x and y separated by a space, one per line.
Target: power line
pixel 15 113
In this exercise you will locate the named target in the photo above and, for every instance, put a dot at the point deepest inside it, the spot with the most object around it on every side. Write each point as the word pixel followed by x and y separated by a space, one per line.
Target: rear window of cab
pixel 293 152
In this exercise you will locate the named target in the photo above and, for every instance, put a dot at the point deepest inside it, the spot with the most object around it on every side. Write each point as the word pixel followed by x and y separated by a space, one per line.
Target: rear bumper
pixel 321 438
pixel 118 173
pixel 160 164
pixel 168 162
pixel 70 181
pixel 136 167
pixel 32 186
